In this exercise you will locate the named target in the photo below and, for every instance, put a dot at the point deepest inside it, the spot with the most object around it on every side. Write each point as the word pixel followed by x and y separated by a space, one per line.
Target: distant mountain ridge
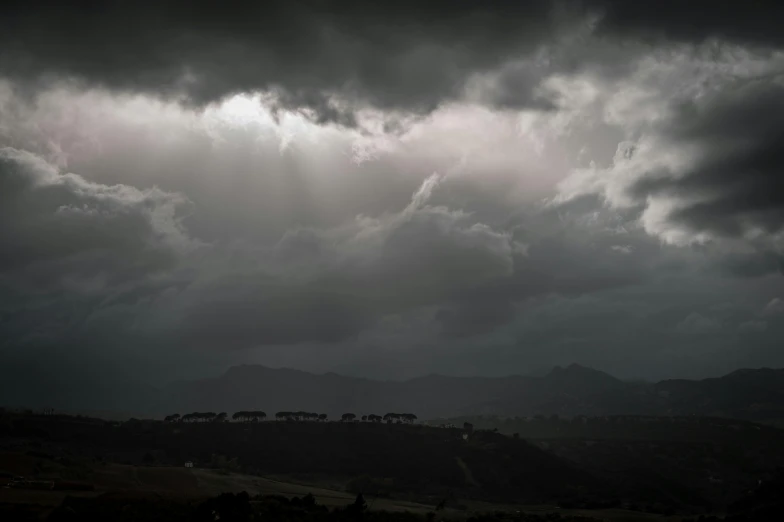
pixel 750 394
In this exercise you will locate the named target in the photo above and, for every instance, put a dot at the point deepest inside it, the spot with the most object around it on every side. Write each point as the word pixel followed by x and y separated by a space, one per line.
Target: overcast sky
pixel 383 190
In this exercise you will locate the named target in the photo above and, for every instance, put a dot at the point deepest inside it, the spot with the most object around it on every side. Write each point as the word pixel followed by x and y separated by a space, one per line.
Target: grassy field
pixel 118 480
pixel 610 515
pixel 212 482
pixel 135 481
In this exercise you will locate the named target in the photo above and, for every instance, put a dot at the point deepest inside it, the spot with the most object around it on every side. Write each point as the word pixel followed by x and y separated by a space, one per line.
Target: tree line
pixel 197 417
pixel 249 416
pixel 300 416
pixel 400 417
pixel 257 416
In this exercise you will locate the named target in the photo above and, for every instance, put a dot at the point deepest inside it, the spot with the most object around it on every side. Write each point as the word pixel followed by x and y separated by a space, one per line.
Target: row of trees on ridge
pixel 300 416
pixel 257 416
pixel 197 417
pixel 249 416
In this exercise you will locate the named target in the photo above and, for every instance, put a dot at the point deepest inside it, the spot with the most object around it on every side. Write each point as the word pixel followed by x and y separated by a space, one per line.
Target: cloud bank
pixel 390 190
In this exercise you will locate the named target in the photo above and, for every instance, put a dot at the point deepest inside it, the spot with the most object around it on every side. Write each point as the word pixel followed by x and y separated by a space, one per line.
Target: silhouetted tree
pixel 348 417
pixel 364 418
pixel 198 416
pixel 249 416
pixel 359 504
pixel 220 417
pixel 322 417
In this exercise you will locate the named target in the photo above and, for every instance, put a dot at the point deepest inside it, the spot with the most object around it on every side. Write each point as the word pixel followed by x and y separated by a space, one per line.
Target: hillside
pixel 400 461
pixel 756 395
pixel 751 394
pixel 743 394
pixel 566 391
pixel 656 465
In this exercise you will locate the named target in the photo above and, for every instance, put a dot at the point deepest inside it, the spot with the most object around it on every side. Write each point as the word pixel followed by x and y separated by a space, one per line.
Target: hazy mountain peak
pixel 575 369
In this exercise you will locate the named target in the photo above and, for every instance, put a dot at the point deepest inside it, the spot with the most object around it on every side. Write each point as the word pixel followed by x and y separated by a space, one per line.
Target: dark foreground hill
pixel 664 466
pixel 756 395
pixel 404 461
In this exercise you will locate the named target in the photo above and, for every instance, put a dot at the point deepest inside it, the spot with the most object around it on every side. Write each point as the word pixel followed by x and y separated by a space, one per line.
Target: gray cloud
pixel 385 54
pixel 88 230
pixel 315 285
pixel 735 185
pixel 698 324
pixel 699 20
pixel 70 245
pixel 774 308
pixel 200 229
pixel 753 327
pixel 751 264
pixel 703 168
pixel 333 57
pixel 326 285
pixel 468 319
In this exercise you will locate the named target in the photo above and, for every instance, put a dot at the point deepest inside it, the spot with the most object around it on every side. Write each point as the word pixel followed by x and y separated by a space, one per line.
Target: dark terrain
pixel 574 443
pixel 412 461
pixel 622 468
pixel 755 395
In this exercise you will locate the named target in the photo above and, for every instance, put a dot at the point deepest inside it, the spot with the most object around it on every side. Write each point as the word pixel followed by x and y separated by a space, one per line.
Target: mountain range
pixel 749 394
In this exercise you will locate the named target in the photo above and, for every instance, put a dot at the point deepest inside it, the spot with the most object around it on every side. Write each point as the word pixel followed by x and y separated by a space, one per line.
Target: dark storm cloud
pixel 742 172
pixel 327 285
pixel 571 250
pixel 388 54
pixel 88 229
pixel 474 274
pixel 735 188
pixel 471 318
pixel 302 249
pixel 516 86
pixel 554 266
pixel 69 245
pixel 244 313
pixel 324 109
pixel 757 22
pixel 315 286
pixel 423 256
pixel 85 259
pixel 391 55
pixel 752 264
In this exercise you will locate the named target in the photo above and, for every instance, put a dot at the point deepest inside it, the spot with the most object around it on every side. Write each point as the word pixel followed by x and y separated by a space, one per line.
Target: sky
pixel 389 189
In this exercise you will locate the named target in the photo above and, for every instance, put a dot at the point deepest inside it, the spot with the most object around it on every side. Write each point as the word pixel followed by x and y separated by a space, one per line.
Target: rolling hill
pixel 756 395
